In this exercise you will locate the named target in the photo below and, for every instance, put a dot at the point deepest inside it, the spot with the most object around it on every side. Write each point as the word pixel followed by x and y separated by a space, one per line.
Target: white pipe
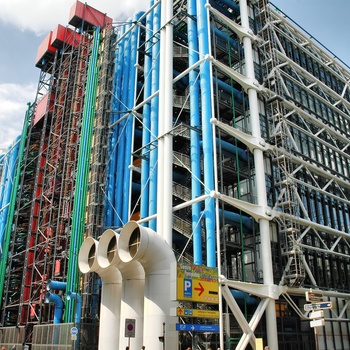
pixel 161 117
pixel 138 243
pixel 271 325
pixel 133 276
pixel 110 294
pixel 167 229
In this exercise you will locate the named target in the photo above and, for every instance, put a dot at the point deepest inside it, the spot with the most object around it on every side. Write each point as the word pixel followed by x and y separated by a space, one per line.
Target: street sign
pixel 313 296
pixel 197 283
pixel 129 328
pixel 317 323
pixel 318 306
pixel 197 313
pixel 74 331
pixel 316 314
pixel 198 327
pixel 73 337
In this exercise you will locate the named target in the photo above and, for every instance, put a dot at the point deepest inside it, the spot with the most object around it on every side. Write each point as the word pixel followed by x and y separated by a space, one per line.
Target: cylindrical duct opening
pixel 110 294
pixel 133 281
pixel 130 247
pixel 138 243
pixel 107 249
pixel 87 253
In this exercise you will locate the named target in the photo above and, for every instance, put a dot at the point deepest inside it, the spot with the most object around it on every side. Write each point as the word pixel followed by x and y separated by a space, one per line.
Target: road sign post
pixel 197 283
pixel 129 328
pixel 313 297
pixel 74 333
pixel 318 306
pixel 197 327
pixel 200 313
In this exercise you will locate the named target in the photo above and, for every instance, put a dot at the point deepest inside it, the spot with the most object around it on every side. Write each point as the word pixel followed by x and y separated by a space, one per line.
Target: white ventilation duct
pixel 138 243
pixel 133 277
pixel 110 294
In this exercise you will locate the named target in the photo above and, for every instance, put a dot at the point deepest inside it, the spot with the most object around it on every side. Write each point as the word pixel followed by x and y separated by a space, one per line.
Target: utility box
pixel 64 36
pixel 45 52
pixel 85 16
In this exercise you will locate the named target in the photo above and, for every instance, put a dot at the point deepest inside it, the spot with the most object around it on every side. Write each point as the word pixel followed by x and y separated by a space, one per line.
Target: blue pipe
pixel 78 305
pixel 8 173
pixel 195 135
pixel 226 37
pixel 232 5
pixel 229 89
pixel 56 299
pixel 130 121
pixel 232 150
pixel 242 297
pixel 136 187
pixel 153 169
pixel 221 85
pixel 236 219
pixel 207 136
pixel 109 214
pixel 146 137
pixel 77 318
pixel 224 11
pixel 117 129
pixel 56 285
pixel 121 136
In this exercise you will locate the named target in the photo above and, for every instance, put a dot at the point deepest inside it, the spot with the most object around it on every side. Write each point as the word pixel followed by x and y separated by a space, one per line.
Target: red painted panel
pixel 41 107
pixel 63 35
pixel 82 13
pixel 45 50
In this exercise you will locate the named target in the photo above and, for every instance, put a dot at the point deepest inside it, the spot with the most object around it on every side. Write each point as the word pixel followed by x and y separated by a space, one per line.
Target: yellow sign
pixel 259 344
pixel 197 283
pixel 197 313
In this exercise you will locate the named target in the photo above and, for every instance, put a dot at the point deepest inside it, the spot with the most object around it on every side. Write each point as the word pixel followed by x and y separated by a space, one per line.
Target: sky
pixel 23 26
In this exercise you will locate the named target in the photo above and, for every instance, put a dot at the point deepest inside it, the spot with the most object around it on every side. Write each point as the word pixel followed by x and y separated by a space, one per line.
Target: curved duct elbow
pixel 111 292
pixel 58 302
pixel 133 284
pixel 78 305
pixel 55 285
pixel 138 243
pixel 87 262
pixel 107 256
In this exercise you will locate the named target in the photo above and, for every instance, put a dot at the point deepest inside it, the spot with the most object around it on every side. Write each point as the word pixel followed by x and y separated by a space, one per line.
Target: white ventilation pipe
pixel 138 243
pixel 111 292
pixel 133 277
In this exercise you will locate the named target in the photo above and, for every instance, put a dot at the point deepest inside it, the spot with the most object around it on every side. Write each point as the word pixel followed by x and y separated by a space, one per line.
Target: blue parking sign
pixel 187 288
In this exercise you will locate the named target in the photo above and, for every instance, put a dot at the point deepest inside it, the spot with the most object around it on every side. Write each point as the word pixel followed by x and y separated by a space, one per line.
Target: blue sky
pixel 23 27
pixel 327 21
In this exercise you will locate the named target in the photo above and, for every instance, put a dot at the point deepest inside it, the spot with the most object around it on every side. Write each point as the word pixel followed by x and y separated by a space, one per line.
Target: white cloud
pixel 43 15
pixel 13 102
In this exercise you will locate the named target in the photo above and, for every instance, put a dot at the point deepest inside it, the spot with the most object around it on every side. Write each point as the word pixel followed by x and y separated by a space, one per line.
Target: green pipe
pixel 81 184
pixel 229 342
pixel 12 204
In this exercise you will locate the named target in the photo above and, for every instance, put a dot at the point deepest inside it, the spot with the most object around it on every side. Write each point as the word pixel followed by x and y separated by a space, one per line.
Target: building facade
pixel 222 127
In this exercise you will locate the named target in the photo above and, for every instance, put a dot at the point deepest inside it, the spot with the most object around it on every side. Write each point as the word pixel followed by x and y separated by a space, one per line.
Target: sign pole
pixel 316 338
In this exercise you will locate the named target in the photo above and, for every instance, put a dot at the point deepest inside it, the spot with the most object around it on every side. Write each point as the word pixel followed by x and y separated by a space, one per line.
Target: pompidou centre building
pixel 181 180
